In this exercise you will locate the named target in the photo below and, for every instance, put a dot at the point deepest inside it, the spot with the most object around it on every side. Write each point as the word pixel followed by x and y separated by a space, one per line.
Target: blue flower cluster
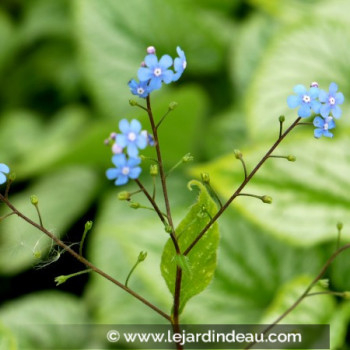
pixel 126 146
pixel 320 102
pixel 4 169
pixel 154 72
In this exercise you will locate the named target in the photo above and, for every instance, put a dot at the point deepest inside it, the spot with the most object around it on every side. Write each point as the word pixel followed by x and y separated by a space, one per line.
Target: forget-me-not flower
pixel 140 89
pixel 180 64
pixel 124 170
pixel 323 125
pixel 306 99
pixel 156 71
pixel 4 169
pixel 131 137
pixel 331 101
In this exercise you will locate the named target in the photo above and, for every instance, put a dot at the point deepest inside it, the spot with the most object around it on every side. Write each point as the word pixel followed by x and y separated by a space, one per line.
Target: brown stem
pixel 241 187
pixel 176 309
pixel 83 260
pixel 152 201
pixel 306 292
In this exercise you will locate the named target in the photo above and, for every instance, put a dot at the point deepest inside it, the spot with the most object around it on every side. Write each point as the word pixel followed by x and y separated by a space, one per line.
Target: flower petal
pixel 155 84
pixel 168 76
pixel 300 89
pixel 121 180
pixel 323 96
pixel 132 162
pixel 339 98
pixel 324 110
pixel 314 92
pixel 315 105
pixel 121 140
pixel 144 74
pixel 327 133
pixel 165 62
pixel 4 168
pixel 135 173
pixel 112 173
pixel 2 178
pixel 151 60
pixel 124 126
pixel 132 150
pixel 333 87
pixel 293 101
pixel 119 160
pixel 141 141
pixel 336 112
pixel 318 122
pixel 318 133
pixel 304 111
pixel 135 126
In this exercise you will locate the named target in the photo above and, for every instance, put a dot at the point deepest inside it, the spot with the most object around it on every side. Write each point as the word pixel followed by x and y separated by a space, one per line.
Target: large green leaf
pixel 284 66
pixel 63 197
pixel 309 196
pixel 202 259
pixel 112 49
pixel 32 319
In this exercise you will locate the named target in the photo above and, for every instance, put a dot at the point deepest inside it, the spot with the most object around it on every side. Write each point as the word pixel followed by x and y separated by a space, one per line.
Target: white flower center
pixel 140 90
pixel 125 170
pixel 331 101
pixel 157 72
pixel 306 98
pixel 325 126
pixel 184 64
pixel 132 136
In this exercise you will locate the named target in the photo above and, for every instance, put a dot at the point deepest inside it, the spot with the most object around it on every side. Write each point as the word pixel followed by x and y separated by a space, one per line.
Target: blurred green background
pixel 64 68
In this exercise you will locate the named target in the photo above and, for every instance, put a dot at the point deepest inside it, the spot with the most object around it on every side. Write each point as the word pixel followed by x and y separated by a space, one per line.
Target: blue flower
pixel 4 169
pixel 125 169
pixel 156 72
pixel 180 64
pixel 331 101
pixel 323 125
pixel 307 100
pixel 150 138
pixel 140 89
pixel 131 137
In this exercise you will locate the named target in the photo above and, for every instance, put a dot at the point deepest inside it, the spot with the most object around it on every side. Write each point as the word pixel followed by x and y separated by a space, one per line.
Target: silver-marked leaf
pixel 202 259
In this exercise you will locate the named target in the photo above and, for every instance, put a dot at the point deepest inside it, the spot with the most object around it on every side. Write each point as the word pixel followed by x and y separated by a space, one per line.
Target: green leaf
pixel 63 197
pixel 6 39
pixel 309 196
pixel 112 49
pixel 7 338
pixel 202 259
pixel 34 322
pixel 284 66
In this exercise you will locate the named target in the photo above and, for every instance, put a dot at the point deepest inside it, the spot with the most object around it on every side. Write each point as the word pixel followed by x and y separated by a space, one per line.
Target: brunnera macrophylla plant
pixel 189 258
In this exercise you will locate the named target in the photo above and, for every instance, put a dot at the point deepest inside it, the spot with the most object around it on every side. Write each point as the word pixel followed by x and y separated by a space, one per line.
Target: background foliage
pixel 64 65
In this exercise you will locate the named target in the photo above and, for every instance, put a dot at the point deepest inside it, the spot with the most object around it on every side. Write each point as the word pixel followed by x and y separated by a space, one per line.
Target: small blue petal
pixel 339 98
pixel 293 101
pixel 318 122
pixel 323 96
pixel 122 140
pixel 155 84
pixel 124 126
pixel 325 109
pixel 166 61
pixel 121 180
pixel 119 160
pixel 318 133
pixel 300 89
pixel 135 173
pixel 168 76
pixel 132 162
pixel 135 126
pixel 315 105
pixel 2 178
pixel 333 87
pixel 141 142
pixel 132 150
pixel 336 111
pixel 327 133
pixel 314 92
pixel 331 124
pixel 151 60
pixel 144 74
pixel 304 111
pixel 4 168
pixel 112 173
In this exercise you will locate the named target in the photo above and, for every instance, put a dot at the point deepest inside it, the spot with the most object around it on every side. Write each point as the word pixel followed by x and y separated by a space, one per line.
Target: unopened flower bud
pixel 291 158
pixel 266 199
pixel 88 225
pixel 12 176
pixel 281 118
pixel 116 149
pixel 314 84
pixel 238 153
pixel 339 226
pixel 132 103
pixel 60 280
pixel 151 50
pixel 143 64
pixel 135 205
pixel 34 199
pixel 124 196
pixel 324 283
pixel 142 256
pixel 172 105
pixel 346 295
pixel 205 178
pixel 153 169
pixel 187 158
